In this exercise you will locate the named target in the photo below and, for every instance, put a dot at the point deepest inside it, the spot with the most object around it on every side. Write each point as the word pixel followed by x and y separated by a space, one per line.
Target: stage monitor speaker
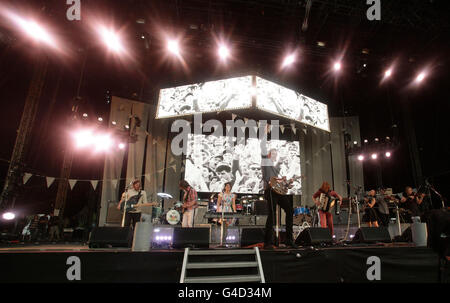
pixel 102 237
pixel 261 208
pixel 314 235
pixel 197 237
pixel 251 236
pixel 372 235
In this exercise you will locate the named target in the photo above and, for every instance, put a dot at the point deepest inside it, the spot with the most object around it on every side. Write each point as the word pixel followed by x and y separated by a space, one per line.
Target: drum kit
pixel 302 215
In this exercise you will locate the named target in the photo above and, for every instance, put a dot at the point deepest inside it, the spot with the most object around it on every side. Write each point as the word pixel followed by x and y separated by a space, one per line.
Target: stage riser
pixel 397 265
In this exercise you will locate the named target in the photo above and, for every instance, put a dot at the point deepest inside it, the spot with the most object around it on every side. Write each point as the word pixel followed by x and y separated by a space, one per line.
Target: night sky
pixel 260 34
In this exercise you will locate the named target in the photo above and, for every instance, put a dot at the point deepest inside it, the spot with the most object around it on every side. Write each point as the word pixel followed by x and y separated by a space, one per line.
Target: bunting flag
pixel 233 116
pixel 72 183
pixel 282 129
pixel 26 177
pixel 324 148
pixel 314 131
pixel 256 129
pixel 94 184
pixel 174 167
pixel 305 130
pixel 154 141
pixel 246 120
pixel 308 162
pixel 243 129
pixel 49 181
pixel 316 154
pixel 294 129
pixel 228 128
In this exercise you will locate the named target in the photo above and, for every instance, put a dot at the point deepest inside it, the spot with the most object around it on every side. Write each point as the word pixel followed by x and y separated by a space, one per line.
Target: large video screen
pixel 291 104
pixel 212 161
pixel 209 96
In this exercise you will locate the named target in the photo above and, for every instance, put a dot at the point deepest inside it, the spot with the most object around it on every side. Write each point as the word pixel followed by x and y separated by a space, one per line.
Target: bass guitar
pixel 282 185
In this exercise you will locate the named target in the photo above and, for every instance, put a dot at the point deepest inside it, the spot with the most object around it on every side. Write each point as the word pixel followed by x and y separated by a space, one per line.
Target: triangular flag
pixel 233 116
pixel 282 129
pixel 72 183
pixel 154 141
pixel 114 183
pixel 49 181
pixel 243 129
pixel 314 131
pixel 228 128
pixel 26 177
pixel 294 129
pixel 94 184
pixel 324 149
pixel 174 167
pixel 246 120
pixel 305 130
pixel 307 162
pixel 256 129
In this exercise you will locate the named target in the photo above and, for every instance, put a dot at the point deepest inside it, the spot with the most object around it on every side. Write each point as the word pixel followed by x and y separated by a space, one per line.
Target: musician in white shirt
pixel 134 215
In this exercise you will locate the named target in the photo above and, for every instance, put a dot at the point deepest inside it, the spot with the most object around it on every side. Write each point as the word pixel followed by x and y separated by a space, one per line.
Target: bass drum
pixel 172 217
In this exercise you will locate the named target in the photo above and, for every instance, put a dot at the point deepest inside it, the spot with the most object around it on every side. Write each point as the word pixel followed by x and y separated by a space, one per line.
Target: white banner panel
pixel 213 161
pixel 203 97
pixel 286 102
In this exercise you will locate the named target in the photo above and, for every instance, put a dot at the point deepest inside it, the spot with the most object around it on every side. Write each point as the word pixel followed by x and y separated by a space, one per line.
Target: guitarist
pixel 134 195
pixel 272 169
pixel 189 203
pixel 326 217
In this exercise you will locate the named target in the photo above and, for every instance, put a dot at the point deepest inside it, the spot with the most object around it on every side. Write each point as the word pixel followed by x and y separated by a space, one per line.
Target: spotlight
pixel 121 145
pixel 388 73
pixel 100 119
pixel 360 157
pixel 83 138
pixel 85 115
pixel 127 126
pixel 366 141
pixel 103 142
pixel 387 154
pixel 288 60
pixel 337 66
pixel 223 52
pixel 374 156
pixel 364 65
pixel 355 142
pixel 388 138
pixel 8 216
pixel 32 29
pixel 321 43
pixel 376 140
pixel 111 39
pixel 173 47
pixel 114 123
pixel 420 77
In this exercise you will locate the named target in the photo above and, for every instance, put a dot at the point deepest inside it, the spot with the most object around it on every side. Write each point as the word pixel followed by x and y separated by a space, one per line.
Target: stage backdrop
pixel 150 157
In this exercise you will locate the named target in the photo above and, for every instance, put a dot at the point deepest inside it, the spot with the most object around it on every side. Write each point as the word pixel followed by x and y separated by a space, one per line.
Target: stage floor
pixel 49 263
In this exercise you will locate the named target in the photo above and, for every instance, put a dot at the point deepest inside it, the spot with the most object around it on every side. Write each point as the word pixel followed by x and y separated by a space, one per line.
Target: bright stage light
pixel 387 154
pixel 366 141
pixel 173 47
pixel 111 39
pixel 420 77
pixel 337 66
pixel 355 142
pixel 103 142
pixel 376 139
pixel 374 156
pixel 100 119
pixel 360 157
pixel 114 123
pixel 83 138
pixel 388 73
pixel 85 115
pixel 223 52
pixel 288 60
pixel 121 145
pixel 127 126
pixel 8 216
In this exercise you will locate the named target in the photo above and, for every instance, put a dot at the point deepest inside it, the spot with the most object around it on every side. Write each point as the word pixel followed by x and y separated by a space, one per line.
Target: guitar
pixel 132 205
pixel 281 185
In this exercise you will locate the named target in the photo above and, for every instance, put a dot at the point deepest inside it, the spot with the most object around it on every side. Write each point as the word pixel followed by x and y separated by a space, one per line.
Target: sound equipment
pixel 200 215
pixel 314 235
pixel 372 235
pixel 197 237
pixel 251 236
pixel 102 237
pixel 261 208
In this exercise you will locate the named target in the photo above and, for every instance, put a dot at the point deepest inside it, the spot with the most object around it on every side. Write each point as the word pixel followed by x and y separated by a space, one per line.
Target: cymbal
pixel 164 196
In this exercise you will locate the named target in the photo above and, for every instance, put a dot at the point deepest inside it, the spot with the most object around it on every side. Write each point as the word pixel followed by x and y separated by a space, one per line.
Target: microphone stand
pixel 436 192
pixel 125 206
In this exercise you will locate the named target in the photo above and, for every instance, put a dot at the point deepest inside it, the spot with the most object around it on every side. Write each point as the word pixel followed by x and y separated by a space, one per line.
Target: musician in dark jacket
pixel 134 195
pixel 270 168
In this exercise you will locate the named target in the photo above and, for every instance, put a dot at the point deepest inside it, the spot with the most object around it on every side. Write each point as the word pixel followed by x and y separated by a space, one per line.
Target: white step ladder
pixel 215 265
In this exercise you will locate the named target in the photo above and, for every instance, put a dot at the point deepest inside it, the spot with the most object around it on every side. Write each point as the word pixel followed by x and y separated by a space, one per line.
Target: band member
pixel 137 196
pixel 383 208
pixel 412 201
pixel 226 202
pixel 272 169
pixel 326 217
pixel 370 212
pixel 189 203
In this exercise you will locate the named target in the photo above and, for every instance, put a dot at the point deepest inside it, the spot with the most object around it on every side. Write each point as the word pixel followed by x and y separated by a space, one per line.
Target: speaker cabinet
pixel 372 235
pixel 102 237
pixel 314 235
pixel 251 236
pixel 197 237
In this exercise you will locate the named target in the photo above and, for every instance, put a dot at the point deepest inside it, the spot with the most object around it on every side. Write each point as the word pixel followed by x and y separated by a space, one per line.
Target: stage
pixel 51 263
